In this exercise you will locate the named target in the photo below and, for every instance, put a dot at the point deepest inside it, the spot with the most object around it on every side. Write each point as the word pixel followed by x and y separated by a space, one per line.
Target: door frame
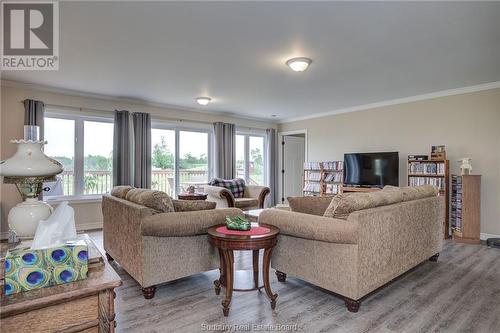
pixel 280 156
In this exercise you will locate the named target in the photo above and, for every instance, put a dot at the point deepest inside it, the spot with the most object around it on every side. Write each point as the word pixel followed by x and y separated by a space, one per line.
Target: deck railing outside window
pixel 98 182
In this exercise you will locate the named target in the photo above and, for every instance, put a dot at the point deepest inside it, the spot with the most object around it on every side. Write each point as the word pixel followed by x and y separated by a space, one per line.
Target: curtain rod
pixel 111 111
pixel 153 116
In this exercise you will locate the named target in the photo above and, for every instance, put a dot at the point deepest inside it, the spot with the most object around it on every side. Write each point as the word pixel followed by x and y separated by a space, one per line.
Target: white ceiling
pixel 235 52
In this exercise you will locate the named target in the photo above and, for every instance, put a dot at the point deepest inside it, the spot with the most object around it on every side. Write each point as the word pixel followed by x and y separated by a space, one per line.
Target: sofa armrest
pixel 312 227
pixel 185 223
pixel 220 195
pixel 309 205
pixel 192 205
pixel 257 192
pixel 394 238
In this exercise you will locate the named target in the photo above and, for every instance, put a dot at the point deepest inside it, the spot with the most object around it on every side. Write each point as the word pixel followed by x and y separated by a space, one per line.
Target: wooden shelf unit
pixel 437 177
pixel 319 179
pixel 346 189
pixel 465 217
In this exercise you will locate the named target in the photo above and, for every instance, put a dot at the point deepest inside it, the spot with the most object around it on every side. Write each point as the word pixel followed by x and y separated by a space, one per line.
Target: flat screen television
pixel 371 169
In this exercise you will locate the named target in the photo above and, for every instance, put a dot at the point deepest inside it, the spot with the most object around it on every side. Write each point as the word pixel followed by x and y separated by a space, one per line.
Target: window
pixel 98 157
pixel 60 137
pixel 250 161
pixel 240 156
pixel 193 159
pixel 84 146
pixel 180 158
pixel 256 160
pixel 163 160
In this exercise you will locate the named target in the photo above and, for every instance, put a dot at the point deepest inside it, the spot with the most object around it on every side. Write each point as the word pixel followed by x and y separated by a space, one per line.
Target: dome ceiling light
pixel 298 64
pixel 203 100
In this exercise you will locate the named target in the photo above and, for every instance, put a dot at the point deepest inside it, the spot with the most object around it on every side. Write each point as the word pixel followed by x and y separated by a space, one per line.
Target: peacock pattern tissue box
pixel 27 269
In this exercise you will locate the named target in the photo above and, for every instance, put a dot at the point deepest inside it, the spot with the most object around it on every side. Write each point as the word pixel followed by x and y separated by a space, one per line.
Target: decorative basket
pixel 237 223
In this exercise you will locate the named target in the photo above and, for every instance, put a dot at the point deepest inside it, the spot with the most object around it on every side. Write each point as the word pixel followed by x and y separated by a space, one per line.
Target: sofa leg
pixel 281 276
pixel 434 257
pixel 352 305
pixel 109 258
pixel 149 292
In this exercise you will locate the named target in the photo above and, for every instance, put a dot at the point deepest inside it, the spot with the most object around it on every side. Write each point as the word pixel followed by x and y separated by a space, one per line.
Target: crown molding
pixel 52 89
pixel 443 93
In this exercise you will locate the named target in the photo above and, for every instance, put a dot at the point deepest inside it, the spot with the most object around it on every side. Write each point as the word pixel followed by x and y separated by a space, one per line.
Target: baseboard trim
pixel 485 236
pixel 89 226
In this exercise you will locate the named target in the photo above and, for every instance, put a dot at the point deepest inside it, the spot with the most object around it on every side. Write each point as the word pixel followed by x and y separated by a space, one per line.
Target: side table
pixel 243 240
pixel 192 196
pixel 82 306
pixel 253 214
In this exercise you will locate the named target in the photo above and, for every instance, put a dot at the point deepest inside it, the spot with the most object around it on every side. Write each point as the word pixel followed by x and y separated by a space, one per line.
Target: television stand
pixel 346 189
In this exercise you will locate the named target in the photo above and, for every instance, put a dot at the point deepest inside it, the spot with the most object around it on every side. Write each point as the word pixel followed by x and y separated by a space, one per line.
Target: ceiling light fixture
pixel 298 64
pixel 203 100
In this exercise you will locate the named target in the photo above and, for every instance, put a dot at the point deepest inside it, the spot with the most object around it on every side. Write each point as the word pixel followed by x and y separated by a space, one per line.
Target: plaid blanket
pixel 236 186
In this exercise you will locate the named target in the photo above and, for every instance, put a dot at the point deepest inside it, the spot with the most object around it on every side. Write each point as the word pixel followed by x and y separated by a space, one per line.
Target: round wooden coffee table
pixel 227 243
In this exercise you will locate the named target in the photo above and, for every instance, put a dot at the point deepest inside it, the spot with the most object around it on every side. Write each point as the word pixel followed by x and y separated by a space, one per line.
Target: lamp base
pixel 24 217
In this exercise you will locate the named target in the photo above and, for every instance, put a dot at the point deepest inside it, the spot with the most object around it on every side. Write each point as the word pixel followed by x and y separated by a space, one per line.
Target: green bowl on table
pixel 237 223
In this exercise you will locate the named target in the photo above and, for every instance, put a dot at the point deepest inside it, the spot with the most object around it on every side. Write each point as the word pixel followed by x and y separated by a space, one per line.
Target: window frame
pixel 177 129
pixel 247 134
pixel 79 158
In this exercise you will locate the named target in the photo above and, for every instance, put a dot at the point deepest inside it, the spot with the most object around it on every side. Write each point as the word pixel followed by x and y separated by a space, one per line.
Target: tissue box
pixel 27 269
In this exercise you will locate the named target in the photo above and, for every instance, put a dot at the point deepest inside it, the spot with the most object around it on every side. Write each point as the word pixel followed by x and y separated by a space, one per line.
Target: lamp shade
pixel 29 161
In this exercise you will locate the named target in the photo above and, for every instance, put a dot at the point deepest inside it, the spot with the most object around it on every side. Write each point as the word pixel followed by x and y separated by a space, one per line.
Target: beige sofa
pixel 364 249
pixel 253 198
pixel 155 247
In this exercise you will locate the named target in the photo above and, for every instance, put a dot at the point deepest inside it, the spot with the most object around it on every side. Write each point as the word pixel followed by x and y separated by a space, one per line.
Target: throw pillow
pixel 121 191
pixel 236 186
pixel 156 200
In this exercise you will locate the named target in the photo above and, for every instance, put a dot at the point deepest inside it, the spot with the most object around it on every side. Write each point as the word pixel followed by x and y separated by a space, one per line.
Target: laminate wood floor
pixel 459 293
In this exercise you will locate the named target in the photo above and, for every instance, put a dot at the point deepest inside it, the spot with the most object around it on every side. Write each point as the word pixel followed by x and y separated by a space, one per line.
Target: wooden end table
pixel 253 214
pixel 226 244
pixel 82 306
pixel 192 196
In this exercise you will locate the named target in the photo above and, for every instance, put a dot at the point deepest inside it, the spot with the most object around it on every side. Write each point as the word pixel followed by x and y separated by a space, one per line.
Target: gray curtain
pixel 142 147
pixel 123 149
pixel 224 150
pixel 33 114
pixel 272 166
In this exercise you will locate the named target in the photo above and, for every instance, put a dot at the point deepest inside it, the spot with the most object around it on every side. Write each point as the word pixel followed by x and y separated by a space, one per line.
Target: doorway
pixel 292 155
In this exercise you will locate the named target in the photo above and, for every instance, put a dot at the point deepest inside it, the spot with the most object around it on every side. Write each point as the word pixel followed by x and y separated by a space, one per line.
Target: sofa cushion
pixel 236 186
pixel 192 205
pixel 186 223
pixel 246 202
pixel 309 205
pixel 344 204
pixel 157 200
pixel 121 191
pixel 415 192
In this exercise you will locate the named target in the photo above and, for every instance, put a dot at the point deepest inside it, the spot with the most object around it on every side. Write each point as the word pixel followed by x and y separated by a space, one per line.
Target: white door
pixel 293 158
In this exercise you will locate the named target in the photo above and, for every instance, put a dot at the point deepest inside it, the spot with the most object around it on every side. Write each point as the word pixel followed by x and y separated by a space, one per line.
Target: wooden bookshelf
pixel 319 173
pixel 436 173
pixel 465 216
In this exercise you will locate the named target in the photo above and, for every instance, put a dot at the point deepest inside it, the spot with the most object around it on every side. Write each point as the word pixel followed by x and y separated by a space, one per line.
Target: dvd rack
pixel 432 172
pixel 323 178
pixel 465 215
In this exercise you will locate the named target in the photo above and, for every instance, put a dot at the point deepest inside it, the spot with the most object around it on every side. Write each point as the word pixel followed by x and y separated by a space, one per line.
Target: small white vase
pixel 24 217
pixel 29 161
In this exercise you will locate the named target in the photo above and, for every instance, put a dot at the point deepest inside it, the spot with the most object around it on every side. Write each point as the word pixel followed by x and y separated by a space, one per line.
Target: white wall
pixel 468 124
pixel 87 213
